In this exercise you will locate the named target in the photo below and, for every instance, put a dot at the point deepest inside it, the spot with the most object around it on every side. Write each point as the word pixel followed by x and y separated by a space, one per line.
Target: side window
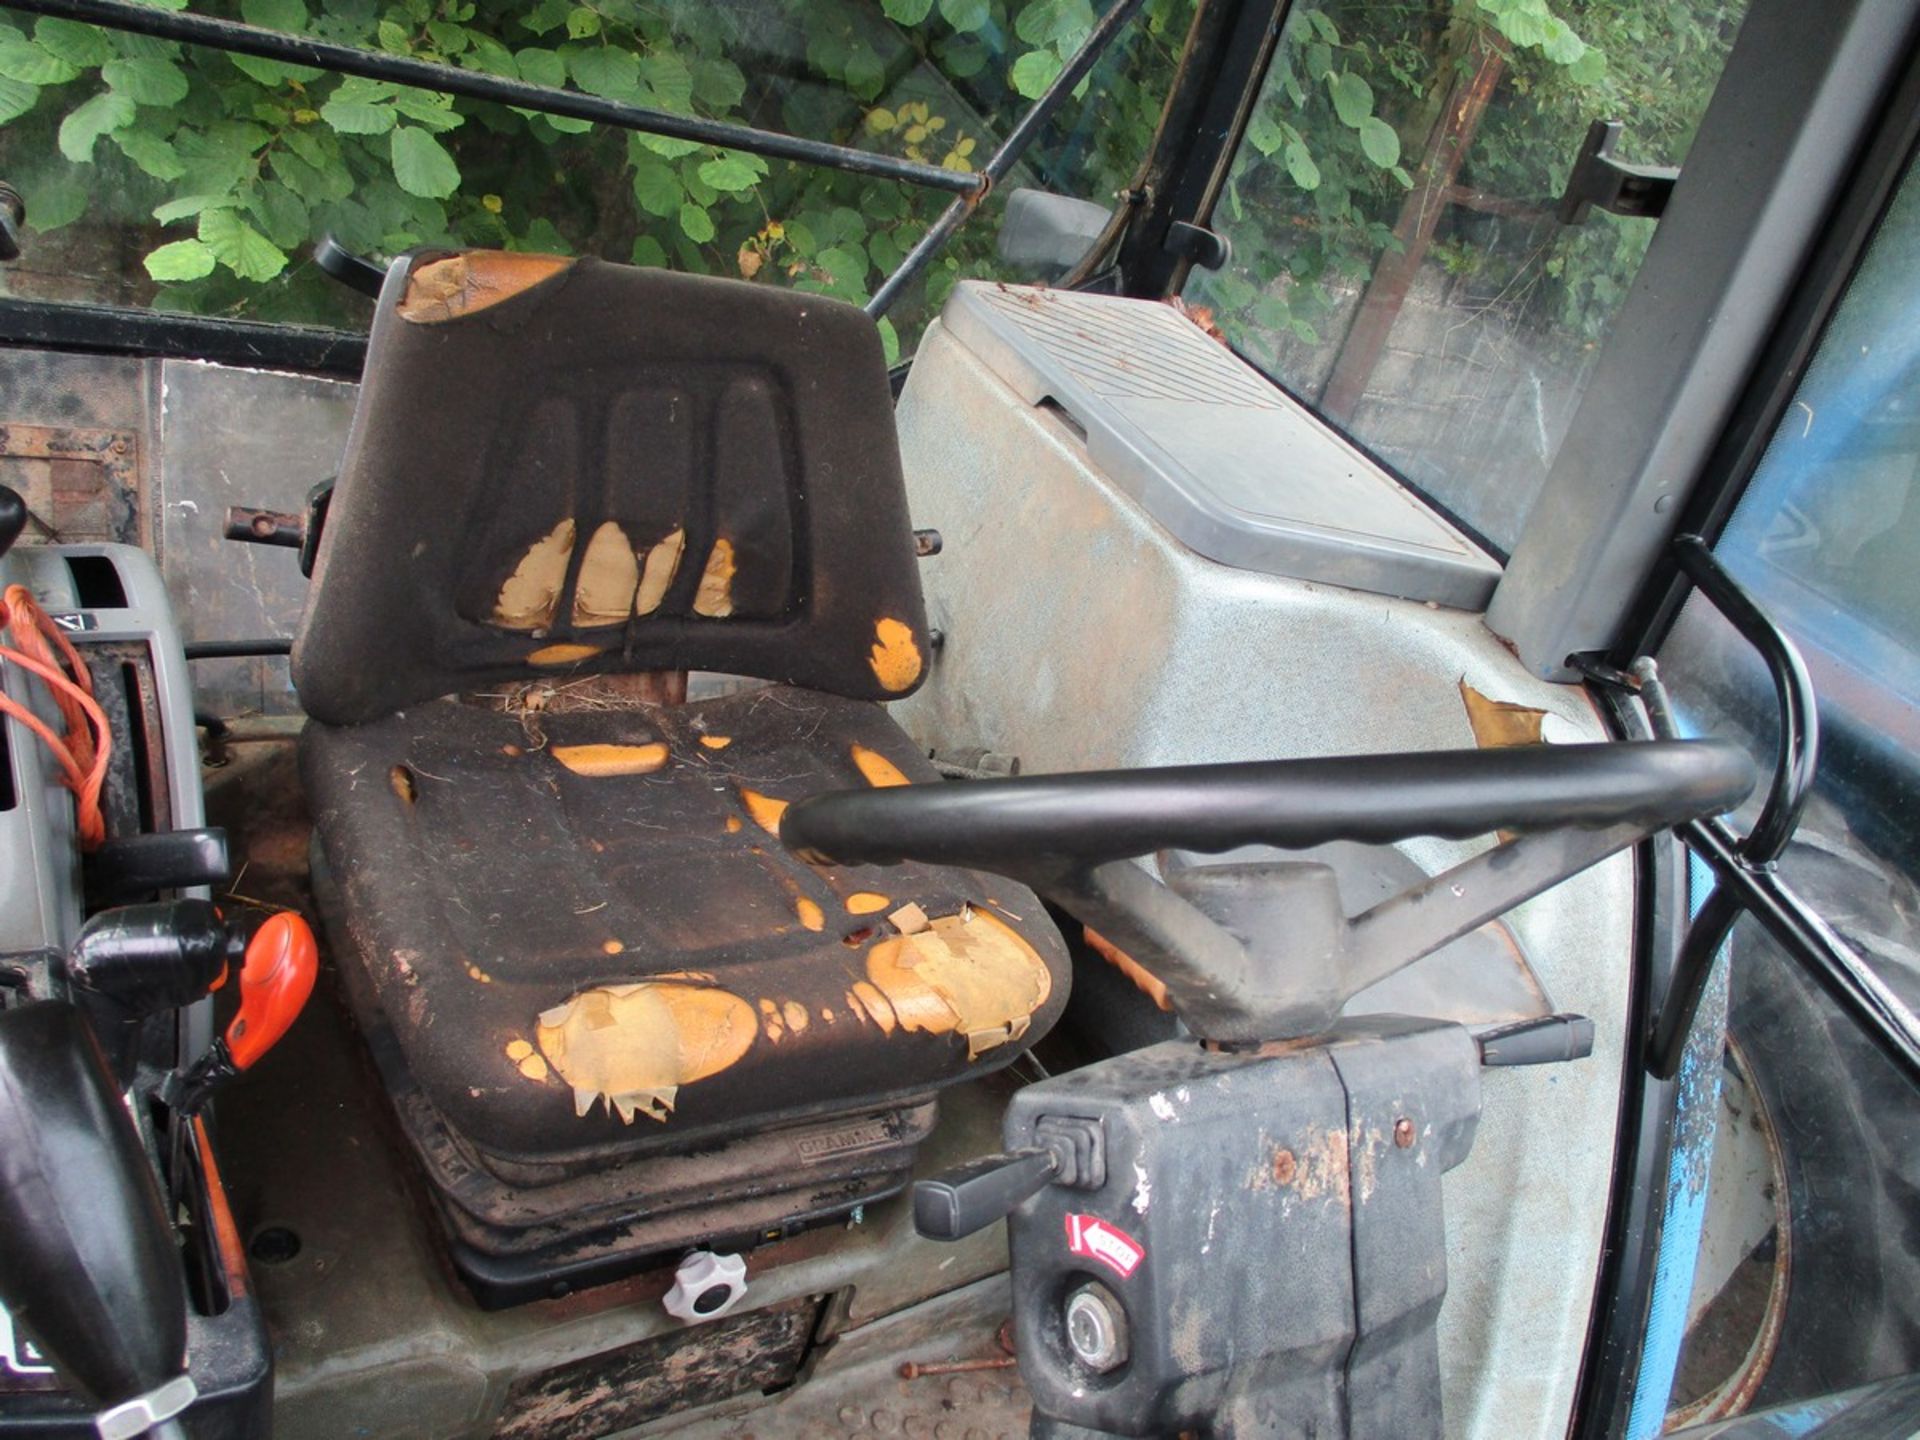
pixel 1398 259
pixel 1822 1290
pixel 180 178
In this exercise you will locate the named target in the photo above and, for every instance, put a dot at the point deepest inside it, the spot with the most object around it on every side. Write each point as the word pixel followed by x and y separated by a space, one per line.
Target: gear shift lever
pixel 89 1267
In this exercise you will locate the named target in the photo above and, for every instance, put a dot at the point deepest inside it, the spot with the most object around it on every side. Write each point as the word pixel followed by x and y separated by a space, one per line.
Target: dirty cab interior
pixel 812 901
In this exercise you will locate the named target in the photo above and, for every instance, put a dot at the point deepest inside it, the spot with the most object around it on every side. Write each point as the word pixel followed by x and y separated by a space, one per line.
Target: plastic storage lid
pixel 1235 468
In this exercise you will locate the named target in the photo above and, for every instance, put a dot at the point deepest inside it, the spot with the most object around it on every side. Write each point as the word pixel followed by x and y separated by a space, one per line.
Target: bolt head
pixel 1096 1328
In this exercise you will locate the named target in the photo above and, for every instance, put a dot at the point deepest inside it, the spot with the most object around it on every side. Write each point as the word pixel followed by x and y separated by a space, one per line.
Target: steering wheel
pixel 1255 952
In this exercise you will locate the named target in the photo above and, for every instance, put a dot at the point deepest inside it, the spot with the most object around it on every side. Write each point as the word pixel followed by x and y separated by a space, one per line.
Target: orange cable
pixel 84 751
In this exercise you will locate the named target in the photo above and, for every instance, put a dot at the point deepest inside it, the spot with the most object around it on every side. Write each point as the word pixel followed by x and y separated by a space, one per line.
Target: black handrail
pixel 1087 819
pixel 1799 747
pixel 231 35
pixel 1002 160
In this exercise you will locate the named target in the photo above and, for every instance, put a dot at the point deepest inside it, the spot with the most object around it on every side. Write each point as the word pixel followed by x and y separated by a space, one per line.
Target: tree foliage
pixel 1336 141
pixel 226 168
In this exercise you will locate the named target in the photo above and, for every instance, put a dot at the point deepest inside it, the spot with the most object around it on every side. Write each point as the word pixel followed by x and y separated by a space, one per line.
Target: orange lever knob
pixel 276 977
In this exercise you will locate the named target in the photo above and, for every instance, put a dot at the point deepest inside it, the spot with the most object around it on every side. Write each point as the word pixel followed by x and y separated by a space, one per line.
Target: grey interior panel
pixel 1235 468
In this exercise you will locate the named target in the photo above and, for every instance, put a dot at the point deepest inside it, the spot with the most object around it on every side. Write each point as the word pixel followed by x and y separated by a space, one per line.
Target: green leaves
pixel 604 71
pixel 1352 98
pixel 1381 144
pixel 181 260
pixel 360 107
pixel 656 186
pixel 421 165
pixel 288 15
pixel 152 154
pixel 907 12
pixel 1301 167
pixel 16 99
pixel 32 64
pixel 733 171
pixel 85 47
pixel 696 224
pixel 147 82
pixel 966 16
pixel 1034 71
pixel 240 247
pixel 78 132
pixel 1062 23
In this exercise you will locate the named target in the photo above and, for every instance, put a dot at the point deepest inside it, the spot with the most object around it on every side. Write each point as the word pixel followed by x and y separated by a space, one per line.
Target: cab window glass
pixel 188 179
pixel 1398 261
pixel 1820 1288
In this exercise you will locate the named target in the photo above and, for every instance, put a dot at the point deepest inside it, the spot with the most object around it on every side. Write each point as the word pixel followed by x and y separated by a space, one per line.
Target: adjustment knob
pixel 706 1286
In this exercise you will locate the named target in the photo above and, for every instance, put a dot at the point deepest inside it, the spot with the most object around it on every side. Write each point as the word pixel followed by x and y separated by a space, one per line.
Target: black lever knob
pixel 89 1266
pixel 13 517
pixel 973 1196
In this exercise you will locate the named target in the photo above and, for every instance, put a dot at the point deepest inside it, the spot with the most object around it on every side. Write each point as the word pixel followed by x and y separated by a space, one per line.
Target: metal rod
pixel 1860 994
pixel 1004 159
pixel 1799 712
pixel 231 35
pixel 239 649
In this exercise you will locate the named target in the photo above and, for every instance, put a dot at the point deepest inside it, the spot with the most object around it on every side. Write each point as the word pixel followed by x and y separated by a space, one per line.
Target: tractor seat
pixel 615 1016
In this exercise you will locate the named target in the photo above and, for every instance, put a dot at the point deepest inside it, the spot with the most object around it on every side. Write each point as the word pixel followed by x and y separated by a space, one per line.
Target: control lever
pixel 1071 1153
pixel 13 517
pixel 276 976
pixel 972 1196
pixel 89 1267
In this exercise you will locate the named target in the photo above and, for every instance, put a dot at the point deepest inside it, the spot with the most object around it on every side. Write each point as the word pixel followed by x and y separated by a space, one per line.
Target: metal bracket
pixel 1206 248
pixel 1639 191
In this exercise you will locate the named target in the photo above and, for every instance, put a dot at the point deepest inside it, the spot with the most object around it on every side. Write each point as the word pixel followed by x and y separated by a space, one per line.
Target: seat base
pixel 615 1017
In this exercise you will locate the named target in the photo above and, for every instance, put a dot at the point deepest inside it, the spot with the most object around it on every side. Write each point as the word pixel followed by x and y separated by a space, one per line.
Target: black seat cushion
pixel 586 941
pixel 574 466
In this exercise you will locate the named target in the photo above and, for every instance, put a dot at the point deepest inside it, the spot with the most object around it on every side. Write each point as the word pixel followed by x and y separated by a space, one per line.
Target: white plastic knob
pixel 706 1286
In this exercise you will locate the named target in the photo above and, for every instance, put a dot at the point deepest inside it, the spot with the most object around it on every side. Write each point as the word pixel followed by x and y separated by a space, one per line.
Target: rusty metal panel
pixel 761 1350
pixel 240 437
pixel 79 483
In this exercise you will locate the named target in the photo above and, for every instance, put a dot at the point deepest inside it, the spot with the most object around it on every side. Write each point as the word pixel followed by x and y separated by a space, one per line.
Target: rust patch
pixel 795 1014
pixel 611 947
pixel 527 600
pixel 443 290
pixel 656 575
pixel 401 778
pixel 770 1020
pixel 765 810
pixel 474 972
pixel 563 654
pixel 866 902
pixel 633 1046
pixel 601 761
pixel 895 658
pixel 967 975
pixel 1500 723
pixel 1313 1169
pixel 811 916
pixel 733 824
pixel 714 598
pixel 609 577
pixel 909 919
pixel 879 771
pixel 1148 984
pixel 716 742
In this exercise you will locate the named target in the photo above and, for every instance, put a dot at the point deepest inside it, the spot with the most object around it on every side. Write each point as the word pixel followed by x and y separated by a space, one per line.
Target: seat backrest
pixel 568 467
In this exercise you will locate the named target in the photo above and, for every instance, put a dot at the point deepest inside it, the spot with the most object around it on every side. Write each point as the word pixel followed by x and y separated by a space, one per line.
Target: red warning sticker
pixel 1096 1239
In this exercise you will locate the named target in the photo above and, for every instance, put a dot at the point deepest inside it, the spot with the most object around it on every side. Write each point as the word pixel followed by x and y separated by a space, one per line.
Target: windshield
pixel 180 178
pixel 1398 261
